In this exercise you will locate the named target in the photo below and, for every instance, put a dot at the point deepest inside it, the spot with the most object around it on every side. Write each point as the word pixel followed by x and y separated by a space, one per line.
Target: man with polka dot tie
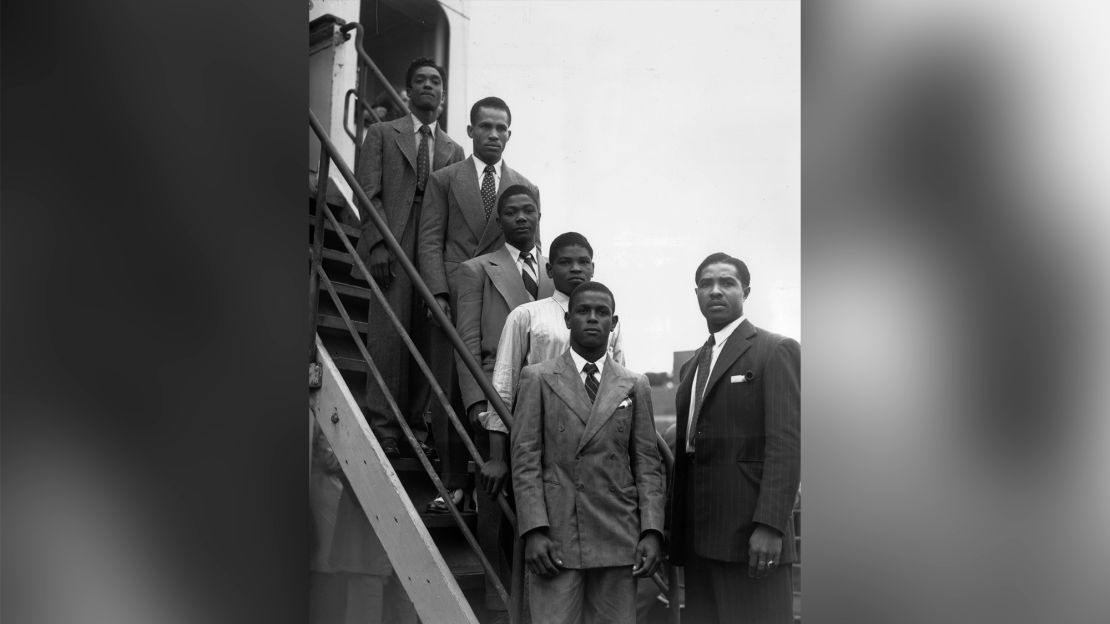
pixel 396 161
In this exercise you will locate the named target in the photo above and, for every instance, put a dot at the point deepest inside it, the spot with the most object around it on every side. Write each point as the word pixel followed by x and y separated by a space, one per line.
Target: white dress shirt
pixel 416 123
pixel 580 362
pixel 480 168
pixel 719 339
pixel 515 253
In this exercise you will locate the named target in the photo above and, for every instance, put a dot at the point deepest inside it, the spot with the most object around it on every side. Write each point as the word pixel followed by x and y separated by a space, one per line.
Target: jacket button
pixel 561 428
pixel 620 427
pixel 580 486
pixel 612 488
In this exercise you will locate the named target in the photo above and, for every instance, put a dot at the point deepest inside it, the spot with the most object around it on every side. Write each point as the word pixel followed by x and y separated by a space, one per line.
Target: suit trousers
pixel 495 534
pixel 590 596
pixel 439 354
pixel 388 350
pixel 720 592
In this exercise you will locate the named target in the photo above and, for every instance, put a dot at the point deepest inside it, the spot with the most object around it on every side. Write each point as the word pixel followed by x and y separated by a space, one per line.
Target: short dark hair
pixel 423 61
pixel 516 189
pixel 568 239
pixel 490 102
pixel 597 287
pixel 723 258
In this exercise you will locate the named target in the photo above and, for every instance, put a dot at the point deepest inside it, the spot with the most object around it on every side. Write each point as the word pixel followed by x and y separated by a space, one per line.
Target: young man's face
pixel 426 90
pixel 590 319
pixel 720 294
pixel 571 266
pixel 519 218
pixel 490 133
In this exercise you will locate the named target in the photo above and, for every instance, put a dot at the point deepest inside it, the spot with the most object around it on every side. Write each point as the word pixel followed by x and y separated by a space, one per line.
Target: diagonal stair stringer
pixel 424 574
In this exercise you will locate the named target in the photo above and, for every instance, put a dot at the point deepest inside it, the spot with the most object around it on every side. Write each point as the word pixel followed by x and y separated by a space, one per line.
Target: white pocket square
pixel 625 403
pixel 739 379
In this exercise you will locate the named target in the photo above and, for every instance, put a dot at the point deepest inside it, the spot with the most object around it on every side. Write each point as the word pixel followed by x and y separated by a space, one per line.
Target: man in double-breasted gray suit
pixel 587 474
pixel 397 159
pixel 737 461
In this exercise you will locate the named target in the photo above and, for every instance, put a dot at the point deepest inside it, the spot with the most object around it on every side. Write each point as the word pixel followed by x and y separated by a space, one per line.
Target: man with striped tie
pixel 587 474
pixel 489 287
pixel 738 459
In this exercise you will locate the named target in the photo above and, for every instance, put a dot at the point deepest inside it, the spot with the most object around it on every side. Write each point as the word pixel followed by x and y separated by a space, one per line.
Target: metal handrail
pixel 494 399
pixel 368 62
pixel 471 540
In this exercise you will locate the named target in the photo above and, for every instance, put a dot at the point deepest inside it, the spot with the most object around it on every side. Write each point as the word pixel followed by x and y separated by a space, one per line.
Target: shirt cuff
pixel 492 422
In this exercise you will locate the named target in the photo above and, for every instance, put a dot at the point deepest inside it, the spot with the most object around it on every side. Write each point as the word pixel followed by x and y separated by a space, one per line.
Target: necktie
pixel 489 190
pixel 528 274
pixel 422 159
pixel 591 380
pixel 704 361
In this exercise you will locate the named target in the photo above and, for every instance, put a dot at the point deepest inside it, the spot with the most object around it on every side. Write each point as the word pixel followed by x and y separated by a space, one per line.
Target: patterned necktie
pixel 422 159
pixel 528 274
pixel 489 190
pixel 591 380
pixel 704 361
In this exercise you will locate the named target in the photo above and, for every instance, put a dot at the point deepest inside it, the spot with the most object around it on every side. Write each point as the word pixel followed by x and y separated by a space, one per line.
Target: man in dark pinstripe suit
pixel 737 466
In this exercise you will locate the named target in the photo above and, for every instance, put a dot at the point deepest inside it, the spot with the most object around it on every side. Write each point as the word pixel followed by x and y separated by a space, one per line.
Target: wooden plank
pixel 429 582
pixel 350 290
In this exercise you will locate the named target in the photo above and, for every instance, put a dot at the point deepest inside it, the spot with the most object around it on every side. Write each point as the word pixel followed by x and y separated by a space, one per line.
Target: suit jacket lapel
pixel 443 150
pixel 614 388
pixel 736 345
pixel 405 139
pixel 569 387
pixel 502 272
pixel 547 287
pixel 469 197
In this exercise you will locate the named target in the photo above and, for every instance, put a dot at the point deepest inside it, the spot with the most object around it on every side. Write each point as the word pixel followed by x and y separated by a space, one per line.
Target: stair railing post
pixel 323 171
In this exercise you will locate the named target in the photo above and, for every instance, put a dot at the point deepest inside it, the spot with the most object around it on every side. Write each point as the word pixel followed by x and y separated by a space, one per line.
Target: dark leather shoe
pixel 429 451
pixel 389 445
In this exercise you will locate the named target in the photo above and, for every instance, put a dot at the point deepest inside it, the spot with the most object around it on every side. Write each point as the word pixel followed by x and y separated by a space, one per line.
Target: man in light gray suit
pixel 490 286
pixel 587 475
pixel 397 159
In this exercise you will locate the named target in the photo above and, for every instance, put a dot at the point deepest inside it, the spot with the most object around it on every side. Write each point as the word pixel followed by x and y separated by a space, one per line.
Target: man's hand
pixel 443 305
pixel 474 410
pixel 381 265
pixel 495 471
pixel 764 549
pixel 540 554
pixel 648 555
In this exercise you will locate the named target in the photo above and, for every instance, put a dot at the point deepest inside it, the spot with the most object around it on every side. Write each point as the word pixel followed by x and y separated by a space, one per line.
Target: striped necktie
pixel 528 274
pixel 592 383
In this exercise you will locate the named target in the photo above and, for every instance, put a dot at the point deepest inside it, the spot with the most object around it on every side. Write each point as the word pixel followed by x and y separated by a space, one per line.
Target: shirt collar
pixel 580 361
pixel 562 299
pixel 515 253
pixel 721 335
pixel 416 123
pixel 480 166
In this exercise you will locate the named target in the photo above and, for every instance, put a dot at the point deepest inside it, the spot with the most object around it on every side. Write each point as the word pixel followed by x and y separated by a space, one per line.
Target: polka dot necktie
pixel 422 159
pixel 528 274
pixel 489 190
pixel 592 383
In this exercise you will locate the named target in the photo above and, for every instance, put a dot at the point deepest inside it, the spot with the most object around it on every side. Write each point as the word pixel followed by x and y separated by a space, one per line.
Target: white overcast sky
pixel 662 131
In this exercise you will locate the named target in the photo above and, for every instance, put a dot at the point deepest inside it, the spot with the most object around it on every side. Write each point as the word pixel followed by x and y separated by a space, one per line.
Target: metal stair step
pixel 446 520
pixel 336 322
